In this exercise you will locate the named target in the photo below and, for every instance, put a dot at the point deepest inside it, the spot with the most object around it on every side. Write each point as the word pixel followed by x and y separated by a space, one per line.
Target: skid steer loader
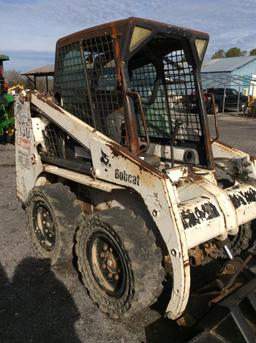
pixel 121 171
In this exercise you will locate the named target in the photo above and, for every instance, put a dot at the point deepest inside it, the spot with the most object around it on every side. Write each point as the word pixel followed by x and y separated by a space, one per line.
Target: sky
pixel 29 28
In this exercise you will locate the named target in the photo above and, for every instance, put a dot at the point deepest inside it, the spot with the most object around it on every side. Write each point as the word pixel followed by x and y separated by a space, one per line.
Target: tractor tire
pixel 120 263
pixel 53 215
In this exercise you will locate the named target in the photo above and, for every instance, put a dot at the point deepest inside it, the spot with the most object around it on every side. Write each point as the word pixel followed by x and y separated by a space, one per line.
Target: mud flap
pixel 231 320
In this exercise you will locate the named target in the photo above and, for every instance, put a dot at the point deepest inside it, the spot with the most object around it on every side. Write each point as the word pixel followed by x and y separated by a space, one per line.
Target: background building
pixel 231 72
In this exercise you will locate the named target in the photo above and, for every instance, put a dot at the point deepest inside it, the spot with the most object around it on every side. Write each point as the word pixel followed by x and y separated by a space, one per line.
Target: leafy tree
pixel 253 52
pixel 218 54
pixel 13 77
pixel 235 52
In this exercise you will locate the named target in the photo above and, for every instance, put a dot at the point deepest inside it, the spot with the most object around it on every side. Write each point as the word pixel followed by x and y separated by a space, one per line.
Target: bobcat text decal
pixel 123 176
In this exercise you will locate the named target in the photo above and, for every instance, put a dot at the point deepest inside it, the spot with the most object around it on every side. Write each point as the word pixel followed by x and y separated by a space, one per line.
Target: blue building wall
pixel 247 70
pixel 238 78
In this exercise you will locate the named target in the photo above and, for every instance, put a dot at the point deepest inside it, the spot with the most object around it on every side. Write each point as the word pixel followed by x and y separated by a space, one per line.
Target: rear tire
pixel 119 262
pixel 53 215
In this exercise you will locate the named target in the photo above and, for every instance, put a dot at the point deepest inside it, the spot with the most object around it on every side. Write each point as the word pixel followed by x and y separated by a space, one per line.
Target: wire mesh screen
pixel 167 89
pixel 54 140
pixel 144 80
pixel 102 79
pixel 88 83
pixel 70 77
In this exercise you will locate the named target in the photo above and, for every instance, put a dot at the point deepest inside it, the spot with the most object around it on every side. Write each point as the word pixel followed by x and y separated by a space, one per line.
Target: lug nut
pixel 109 263
pixel 105 247
pixel 110 276
pixel 116 277
pixel 102 255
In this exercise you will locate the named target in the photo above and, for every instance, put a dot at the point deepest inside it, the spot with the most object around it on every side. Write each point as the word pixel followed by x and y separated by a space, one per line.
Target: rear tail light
pixel 1 72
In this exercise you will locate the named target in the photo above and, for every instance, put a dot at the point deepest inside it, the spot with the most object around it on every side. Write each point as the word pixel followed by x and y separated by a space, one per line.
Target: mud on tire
pixel 119 262
pixel 53 215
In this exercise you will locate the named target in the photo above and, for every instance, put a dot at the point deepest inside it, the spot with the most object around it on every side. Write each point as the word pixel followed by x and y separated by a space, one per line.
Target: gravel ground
pixel 39 304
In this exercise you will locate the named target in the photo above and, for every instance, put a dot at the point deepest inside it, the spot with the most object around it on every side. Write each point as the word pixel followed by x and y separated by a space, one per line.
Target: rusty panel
pixel 125 24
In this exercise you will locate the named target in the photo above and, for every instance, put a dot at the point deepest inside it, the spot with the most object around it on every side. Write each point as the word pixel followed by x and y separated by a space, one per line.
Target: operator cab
pixel 138 82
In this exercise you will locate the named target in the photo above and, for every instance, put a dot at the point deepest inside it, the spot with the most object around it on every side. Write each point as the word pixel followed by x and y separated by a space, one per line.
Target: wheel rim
pixel 107 264
pixel 43 226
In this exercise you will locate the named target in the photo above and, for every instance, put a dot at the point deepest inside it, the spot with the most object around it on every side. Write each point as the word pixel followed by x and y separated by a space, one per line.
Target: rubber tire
pixel 66 215
pixel 142 256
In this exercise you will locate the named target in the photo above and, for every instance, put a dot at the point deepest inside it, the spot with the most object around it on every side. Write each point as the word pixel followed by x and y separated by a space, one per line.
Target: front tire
pixel 119 262
pixel 53 215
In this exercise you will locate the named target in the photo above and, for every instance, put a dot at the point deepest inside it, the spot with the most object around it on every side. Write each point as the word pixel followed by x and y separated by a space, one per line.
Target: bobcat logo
pixel 105 160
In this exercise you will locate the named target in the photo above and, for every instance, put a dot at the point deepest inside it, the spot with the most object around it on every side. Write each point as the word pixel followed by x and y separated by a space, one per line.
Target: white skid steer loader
pixel 122 164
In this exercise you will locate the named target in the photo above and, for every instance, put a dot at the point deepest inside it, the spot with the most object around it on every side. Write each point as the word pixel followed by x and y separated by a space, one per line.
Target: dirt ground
pixel 40 304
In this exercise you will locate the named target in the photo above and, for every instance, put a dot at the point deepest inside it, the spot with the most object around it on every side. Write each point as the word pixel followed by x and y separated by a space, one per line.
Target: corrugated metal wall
pixel 238 78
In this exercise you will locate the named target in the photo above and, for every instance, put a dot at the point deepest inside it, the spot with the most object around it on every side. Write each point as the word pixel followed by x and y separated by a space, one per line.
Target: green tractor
pixel 6 108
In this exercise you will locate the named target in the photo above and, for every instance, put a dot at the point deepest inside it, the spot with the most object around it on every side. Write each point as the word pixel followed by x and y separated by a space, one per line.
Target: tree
pixel 235 52
pixel 218 54
pixel 253 52
pixel 13 77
